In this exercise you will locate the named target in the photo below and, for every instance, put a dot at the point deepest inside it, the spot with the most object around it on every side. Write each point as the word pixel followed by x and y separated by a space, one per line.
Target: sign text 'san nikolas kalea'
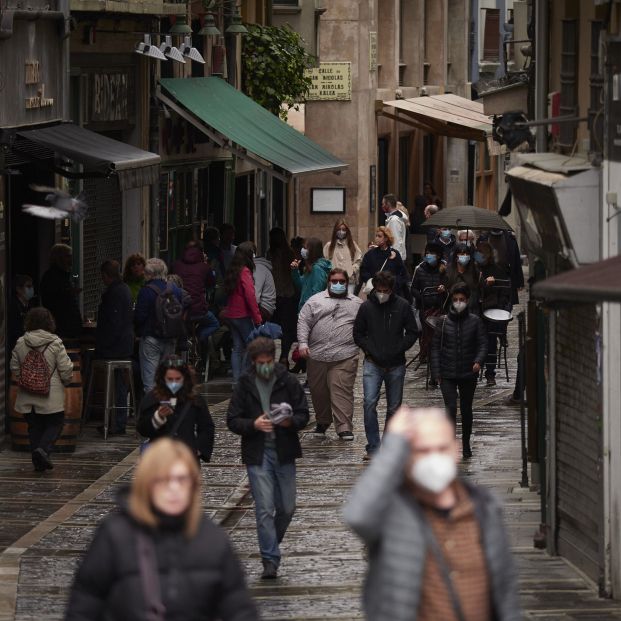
pixel 331 81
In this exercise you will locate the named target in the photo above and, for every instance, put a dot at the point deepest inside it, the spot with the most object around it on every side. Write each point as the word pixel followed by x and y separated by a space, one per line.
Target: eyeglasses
pixel 340 281
pixel 173 363
pixel 180 480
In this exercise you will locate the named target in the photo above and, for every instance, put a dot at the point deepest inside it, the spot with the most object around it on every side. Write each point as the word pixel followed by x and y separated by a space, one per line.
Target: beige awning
pixel 444 115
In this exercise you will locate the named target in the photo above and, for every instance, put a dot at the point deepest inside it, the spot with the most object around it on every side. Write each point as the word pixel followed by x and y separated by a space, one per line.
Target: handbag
pixel 149 578
pixel 173 432
pixel 368 286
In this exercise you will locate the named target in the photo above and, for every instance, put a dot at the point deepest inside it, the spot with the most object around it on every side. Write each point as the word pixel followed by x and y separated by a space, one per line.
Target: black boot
pixel 466 450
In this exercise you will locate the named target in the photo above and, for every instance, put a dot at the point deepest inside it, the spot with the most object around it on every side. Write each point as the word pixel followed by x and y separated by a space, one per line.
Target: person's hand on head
pixel 400 422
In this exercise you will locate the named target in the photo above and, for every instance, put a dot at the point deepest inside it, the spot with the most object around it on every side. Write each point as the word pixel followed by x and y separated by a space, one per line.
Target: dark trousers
pixel 44 429
pixel 466 388
pixel 286 316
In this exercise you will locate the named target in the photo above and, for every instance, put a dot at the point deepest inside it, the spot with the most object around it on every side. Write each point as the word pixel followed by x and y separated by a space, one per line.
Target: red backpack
pixel 34 373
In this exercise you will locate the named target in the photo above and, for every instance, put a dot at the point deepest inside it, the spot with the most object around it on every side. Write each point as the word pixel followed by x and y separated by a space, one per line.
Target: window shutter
pixel 491 35
pixel 569 79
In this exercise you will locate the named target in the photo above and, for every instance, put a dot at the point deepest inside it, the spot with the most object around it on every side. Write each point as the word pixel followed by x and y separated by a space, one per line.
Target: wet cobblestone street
pixel 52 518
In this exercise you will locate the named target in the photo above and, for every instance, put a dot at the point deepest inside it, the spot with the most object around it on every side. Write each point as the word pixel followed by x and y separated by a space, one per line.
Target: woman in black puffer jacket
pixel 458 350
pixel 160 552
pixel 174 409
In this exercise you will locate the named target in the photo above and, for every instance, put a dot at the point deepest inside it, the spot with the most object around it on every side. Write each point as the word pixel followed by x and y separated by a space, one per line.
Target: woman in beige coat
pixel 344 252
pixel 43 413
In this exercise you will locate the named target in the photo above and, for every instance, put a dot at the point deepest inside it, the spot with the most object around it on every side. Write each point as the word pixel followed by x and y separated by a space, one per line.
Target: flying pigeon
pixel 61 205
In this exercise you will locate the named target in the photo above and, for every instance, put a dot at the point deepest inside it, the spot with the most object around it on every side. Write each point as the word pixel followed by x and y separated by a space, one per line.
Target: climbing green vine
pixel 274 60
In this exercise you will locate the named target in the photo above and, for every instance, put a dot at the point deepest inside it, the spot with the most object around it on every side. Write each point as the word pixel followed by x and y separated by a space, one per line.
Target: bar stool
pixel 108 367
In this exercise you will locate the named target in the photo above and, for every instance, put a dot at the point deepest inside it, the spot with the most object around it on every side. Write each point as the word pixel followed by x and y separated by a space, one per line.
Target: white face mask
pixel 341 234
pixel 382 298
pixel 434 472
pixel 304 253
pixel 460 307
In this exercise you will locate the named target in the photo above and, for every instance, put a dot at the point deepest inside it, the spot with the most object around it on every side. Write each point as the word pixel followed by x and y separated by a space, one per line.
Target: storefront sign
pixel 373 51
pixel 109 97
pixel 39 100
pixel 331 81
pixel 32 77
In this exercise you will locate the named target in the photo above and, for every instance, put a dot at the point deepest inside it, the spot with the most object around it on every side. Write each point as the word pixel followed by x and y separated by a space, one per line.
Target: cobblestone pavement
pixel 323 563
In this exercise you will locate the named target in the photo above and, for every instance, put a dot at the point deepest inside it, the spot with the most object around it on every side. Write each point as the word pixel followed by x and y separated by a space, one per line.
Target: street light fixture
pixel 190 52
pixel 170 51
pixel 209 28
pixel 236 26
pixel 146 49
pixel 181 27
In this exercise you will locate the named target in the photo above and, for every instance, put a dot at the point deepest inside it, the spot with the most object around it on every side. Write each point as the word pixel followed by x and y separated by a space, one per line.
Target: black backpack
pixel 169 316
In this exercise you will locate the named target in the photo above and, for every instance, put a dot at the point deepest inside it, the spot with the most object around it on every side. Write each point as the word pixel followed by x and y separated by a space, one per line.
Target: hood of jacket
pixel 192 255
pixel 323 264
pixel 405 215
pixel 38 338
pixel 261 261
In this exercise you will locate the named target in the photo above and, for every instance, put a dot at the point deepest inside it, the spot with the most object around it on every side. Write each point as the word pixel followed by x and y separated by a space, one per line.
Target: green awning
pixel 225 114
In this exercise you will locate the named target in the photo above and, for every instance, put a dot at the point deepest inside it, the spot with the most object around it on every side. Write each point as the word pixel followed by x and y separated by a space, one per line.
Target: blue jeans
pixel 273 489
pixel 240 331
pixel 207 325
pixel 372 378
pixel 150 352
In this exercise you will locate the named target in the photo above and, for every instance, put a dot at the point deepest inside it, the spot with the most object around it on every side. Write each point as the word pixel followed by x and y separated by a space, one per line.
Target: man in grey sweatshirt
pixel 437 545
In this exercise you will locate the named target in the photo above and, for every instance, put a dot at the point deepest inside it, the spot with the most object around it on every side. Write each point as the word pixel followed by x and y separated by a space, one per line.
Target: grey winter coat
pixel 61 370
pixel 384 519
pixel 264 287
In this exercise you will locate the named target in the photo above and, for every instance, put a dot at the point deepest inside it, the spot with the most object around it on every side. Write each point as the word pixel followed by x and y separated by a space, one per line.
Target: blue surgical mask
pixel 29 293
pixel 446 233
pixel 480 258
pixel 463 259
pixel 174 387
pixel 338 288
pixel 304 253
pixel 431 259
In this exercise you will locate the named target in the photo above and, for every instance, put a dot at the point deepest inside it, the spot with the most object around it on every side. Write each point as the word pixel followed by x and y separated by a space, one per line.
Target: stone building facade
pixel 397 49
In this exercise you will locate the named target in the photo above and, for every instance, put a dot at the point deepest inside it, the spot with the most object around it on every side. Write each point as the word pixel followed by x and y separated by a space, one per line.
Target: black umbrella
pixel 466 217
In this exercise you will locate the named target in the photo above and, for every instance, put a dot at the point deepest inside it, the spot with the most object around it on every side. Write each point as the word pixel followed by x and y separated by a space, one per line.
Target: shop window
pixel 569 81
pixel 179 213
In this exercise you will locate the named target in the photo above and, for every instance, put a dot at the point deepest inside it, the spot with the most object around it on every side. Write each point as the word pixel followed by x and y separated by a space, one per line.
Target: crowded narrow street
pixel 323 563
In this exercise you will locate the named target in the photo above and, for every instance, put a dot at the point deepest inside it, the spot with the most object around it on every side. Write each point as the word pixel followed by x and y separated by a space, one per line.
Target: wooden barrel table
pixel 67 439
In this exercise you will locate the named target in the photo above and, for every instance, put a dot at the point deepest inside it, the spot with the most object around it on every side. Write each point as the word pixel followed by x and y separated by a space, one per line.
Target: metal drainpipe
pixel 64 7
pixel 541 71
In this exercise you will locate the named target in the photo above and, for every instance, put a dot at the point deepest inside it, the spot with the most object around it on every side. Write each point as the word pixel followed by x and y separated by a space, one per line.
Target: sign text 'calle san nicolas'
pixel 331 81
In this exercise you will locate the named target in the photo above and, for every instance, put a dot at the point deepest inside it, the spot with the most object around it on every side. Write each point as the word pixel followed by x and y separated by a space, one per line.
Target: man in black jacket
pixel 114 337
pixel 384 329
pixel 458 351
pixel 269 449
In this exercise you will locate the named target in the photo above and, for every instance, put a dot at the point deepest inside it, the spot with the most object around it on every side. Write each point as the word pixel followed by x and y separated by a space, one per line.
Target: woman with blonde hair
pixel 343 252
pixel 382 257
pixel 160 557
